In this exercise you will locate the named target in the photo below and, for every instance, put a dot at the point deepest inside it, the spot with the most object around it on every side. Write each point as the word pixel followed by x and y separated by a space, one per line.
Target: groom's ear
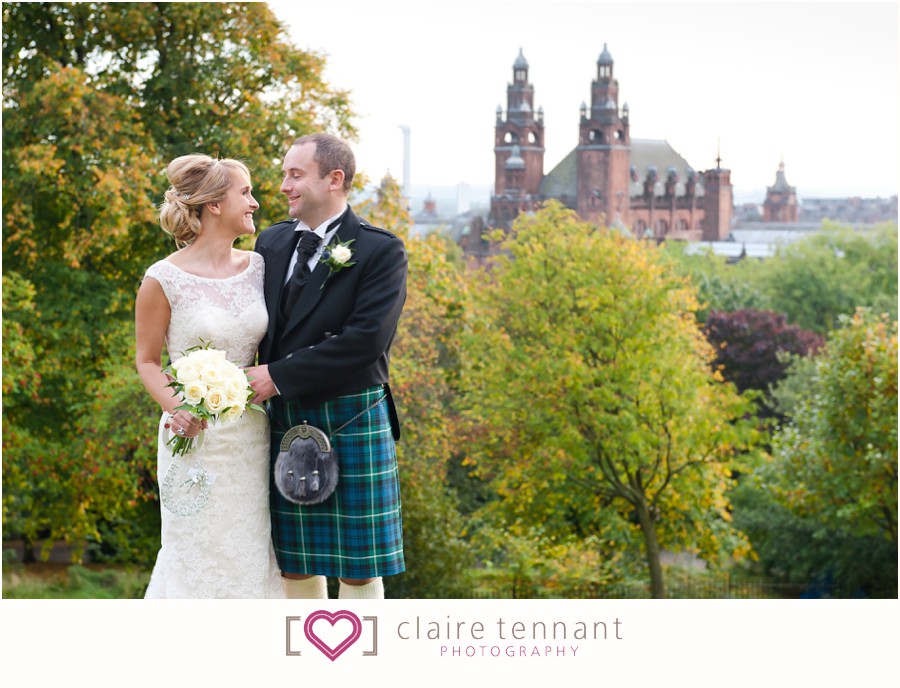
pixel 336 180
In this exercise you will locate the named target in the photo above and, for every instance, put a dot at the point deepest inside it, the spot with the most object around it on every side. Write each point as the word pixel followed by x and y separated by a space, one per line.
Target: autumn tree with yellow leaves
pixel 591 396
pixel 97 99
pixel 425 373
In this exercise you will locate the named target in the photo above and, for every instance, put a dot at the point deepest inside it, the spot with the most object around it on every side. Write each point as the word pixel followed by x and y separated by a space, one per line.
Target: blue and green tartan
pixel 357 532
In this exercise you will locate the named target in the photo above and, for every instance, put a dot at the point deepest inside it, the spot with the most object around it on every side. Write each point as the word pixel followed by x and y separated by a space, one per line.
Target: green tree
pixel 216 78
pixel 811 281
pixel 822 514
pixel 592 398
pixel 97 98
pixel 77 177
pixel 720 285
pixel 831 273
pixel 805 555
pixel 836 459
pixel 424 381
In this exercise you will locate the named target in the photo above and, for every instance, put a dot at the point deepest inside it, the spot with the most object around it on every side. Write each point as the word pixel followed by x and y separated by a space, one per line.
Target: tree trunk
pixel 645 518
pixel 28 551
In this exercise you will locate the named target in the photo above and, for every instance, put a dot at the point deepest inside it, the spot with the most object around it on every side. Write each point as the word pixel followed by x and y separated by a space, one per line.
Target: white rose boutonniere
pixel 337 257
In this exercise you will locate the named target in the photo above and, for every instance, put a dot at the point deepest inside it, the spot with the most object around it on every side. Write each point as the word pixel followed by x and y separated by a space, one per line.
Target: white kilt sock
pixel 373 590
pixel 315 588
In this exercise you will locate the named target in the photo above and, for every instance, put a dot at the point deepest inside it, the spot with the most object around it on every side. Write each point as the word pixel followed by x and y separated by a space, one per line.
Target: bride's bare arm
pixel 151 322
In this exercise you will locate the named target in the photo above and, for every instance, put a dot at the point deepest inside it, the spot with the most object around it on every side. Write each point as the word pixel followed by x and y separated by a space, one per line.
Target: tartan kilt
pixel 357 532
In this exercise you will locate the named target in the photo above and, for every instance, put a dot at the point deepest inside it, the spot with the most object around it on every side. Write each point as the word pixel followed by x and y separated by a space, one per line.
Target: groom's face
pixel 308 193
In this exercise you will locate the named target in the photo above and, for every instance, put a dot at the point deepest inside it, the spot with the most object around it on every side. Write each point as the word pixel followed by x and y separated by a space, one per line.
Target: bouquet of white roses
pixel 212 388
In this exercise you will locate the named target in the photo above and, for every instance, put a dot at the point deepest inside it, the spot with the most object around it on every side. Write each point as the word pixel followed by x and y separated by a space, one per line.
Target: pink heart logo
pixel 333 652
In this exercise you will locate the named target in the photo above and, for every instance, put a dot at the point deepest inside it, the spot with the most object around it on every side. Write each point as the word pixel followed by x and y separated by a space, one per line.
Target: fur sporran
pixel 306 469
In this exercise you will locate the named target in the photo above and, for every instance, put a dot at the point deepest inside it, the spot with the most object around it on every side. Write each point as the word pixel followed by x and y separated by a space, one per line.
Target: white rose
pixel 341 254
pixel 203 357
pixel 185 371
pixel 194 392
pixel 189 374
pixel 236 391
pixel 198 357
pixel 236 373
pixel 216 399
pixel 211 373
pixel 233 413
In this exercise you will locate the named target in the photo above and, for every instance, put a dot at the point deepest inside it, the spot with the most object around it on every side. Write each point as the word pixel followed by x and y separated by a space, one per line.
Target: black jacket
pixel 338 337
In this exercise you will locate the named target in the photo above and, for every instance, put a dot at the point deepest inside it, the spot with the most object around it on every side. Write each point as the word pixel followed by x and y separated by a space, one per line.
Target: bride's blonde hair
pixel 195 181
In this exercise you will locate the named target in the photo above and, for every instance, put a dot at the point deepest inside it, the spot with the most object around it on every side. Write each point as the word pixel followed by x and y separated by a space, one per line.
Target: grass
pixel 51 580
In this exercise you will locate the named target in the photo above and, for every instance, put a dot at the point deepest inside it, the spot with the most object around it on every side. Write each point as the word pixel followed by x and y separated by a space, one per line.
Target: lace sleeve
pixel 177 285
pixel 159 272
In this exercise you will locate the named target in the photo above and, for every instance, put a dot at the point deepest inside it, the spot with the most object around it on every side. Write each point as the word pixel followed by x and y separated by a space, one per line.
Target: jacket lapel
pixel 314 288
pixel 277 259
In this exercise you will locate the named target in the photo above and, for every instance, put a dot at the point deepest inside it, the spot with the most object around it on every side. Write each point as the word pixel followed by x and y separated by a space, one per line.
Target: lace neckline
pixel 211 279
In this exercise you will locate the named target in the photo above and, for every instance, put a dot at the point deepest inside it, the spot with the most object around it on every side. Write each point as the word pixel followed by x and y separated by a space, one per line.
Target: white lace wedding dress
pixel 224 550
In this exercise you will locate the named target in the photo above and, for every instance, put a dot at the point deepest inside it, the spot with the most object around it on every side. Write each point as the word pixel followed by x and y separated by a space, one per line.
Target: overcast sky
pixel 812 84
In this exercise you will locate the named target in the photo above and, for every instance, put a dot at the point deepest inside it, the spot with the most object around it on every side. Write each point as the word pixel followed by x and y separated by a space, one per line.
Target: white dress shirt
pixel 321 231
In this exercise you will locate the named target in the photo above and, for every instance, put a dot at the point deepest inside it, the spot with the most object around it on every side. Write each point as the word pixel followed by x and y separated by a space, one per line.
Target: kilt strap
pixel 337 430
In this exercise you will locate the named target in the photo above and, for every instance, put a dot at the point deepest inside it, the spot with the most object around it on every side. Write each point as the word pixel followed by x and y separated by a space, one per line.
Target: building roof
pixel 659 154
pixel 774 233
pixel 730 249
pixel 562 180
pixel 756 241
pixel 781 185
pixel 521 62
pixel 605 58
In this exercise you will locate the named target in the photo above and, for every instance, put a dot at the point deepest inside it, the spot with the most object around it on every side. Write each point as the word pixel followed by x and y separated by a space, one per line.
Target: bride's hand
pixel 184 424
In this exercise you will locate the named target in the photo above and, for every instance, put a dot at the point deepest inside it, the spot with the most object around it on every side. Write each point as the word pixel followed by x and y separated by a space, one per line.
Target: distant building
pixel 754 236
pixel 427 219
pixel 458 226
pixel 853 211
pixel 781 200
pixel 783 205
pixel 759 240
pixel 642 186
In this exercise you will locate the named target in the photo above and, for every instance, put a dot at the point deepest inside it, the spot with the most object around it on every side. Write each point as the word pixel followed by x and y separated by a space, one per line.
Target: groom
pixel 334 288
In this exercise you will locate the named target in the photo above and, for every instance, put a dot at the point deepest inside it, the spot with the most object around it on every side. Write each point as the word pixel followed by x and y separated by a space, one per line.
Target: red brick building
pixel 781 200
pixel 639 185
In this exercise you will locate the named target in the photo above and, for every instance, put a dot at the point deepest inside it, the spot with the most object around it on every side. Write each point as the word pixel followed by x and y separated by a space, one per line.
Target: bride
pixel 219 545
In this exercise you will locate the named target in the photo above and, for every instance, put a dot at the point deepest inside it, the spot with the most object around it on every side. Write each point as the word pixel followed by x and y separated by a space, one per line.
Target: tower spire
pixel 518 149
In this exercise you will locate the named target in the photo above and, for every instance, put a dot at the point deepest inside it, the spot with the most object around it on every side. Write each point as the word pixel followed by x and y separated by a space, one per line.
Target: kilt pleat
pixel 357 532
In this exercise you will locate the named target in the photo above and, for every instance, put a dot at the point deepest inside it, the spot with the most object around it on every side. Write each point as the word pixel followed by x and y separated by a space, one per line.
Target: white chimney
pixel 406 189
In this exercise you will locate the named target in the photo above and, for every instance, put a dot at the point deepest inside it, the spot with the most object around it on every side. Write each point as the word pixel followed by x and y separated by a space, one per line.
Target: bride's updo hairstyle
pixel 195 181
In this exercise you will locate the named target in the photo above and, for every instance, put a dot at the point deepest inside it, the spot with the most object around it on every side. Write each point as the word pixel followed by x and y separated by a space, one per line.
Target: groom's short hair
pixel 332 153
